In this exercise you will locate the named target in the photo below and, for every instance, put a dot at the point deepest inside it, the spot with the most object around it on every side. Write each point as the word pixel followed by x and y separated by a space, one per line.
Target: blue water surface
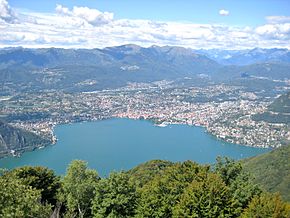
pixel 120 144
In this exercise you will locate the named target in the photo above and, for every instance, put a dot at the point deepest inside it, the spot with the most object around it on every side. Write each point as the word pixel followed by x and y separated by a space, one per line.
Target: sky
pixel 204 24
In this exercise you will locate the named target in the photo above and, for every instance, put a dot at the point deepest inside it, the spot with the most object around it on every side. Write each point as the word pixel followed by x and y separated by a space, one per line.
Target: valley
pixel 42 88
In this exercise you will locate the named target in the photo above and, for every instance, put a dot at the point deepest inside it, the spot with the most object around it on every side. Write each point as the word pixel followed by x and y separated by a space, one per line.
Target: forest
pixel 153 189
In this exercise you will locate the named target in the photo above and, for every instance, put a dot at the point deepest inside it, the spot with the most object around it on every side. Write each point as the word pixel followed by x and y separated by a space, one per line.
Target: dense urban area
pixel 225 111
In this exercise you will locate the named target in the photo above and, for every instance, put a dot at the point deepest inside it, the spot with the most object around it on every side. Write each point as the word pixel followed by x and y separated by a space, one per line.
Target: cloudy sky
pixel 226 24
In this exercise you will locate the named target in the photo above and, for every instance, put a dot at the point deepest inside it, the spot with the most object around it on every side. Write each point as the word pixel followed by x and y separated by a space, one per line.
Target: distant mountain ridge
pixel 74 70
pixel 54 68
pixel 248 56
pixel 50 56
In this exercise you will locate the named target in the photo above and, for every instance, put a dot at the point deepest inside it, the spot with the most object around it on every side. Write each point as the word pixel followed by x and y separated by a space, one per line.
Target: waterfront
pixel 117 144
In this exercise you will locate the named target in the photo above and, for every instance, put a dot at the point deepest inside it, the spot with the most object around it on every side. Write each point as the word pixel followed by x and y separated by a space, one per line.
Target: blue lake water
pixel 117 144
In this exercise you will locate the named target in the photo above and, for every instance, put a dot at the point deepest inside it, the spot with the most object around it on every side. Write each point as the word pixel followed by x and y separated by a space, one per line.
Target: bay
pixel 120 144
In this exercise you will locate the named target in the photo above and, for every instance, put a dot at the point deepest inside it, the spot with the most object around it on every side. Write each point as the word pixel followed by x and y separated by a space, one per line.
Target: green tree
pixel 243 189
pixel 78 189
pixel 115 197
pixel 19 200
pixel 3 171
pixel 209 197
pixel 40 178
pixel 240 183
pixel 267 206
pixel 145 172
pixel 228 169
pixel 159 196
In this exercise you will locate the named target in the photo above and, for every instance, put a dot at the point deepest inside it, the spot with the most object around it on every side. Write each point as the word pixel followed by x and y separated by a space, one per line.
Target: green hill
pixel 272 170
pixel 19 140
pixel 281 104
pixel 278 111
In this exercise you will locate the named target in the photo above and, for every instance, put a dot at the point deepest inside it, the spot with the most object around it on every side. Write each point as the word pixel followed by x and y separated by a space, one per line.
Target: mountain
pixel 119 55
pixel 248 56
pixel 27 70
pixel 77 70
pixel 278 111
pixel 16 139
pixel 272 170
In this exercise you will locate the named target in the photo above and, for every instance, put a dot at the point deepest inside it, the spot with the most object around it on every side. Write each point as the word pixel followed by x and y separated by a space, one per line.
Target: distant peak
pixel 126 49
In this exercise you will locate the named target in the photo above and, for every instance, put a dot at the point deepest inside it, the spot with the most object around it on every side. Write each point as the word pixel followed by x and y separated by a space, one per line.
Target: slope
pixel 278 111
pixel 16 139
pixel 272 170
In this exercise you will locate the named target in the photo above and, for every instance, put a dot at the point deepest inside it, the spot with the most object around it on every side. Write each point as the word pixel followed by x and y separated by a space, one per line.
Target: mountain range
pixel 26 70
pixel 247 56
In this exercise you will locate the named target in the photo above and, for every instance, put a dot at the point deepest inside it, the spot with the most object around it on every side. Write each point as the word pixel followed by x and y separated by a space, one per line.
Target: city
pixel 225 111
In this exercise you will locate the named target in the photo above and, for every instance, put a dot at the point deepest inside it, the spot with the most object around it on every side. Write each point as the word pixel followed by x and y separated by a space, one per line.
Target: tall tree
pixel 228 169
pixel 267 205
pixel 240 183
pixel 158 196
pixel 40 178
pixel 209 197
pixel 19 200
pixel 115 197
pixel 78 189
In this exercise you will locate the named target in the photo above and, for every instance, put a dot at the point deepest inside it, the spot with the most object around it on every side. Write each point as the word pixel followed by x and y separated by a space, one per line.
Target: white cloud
pixel 82 27
pixel 224 12
pixel 278 19
pixel 92 16
pixel 62 10
pixel 274 31
pixel 6 13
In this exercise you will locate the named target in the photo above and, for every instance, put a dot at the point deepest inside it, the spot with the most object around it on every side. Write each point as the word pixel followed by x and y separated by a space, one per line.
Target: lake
pixel 117 144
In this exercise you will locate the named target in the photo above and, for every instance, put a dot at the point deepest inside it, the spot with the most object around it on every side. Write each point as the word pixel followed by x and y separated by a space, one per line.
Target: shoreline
pixel 155 122
pixel 165 124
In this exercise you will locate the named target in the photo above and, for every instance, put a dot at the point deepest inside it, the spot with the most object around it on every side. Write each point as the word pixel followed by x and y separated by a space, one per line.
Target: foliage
pixel 3 171
pixel 267 205
pixel 115 197
pixel 78 188
pixel 281 104
pixel 12 138
pixel 19 200
pixel 209 197
pixel 272 170
pixel 145 172
pixel 158 196
pixel 271 117
pixel 277 112
pixel 39 178
pixel 240 183
pixel 242 190
pixel 154 189
pixel 227 169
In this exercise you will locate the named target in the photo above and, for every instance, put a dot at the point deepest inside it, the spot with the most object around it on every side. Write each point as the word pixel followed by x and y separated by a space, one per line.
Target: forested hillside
pixel 278 111
pixel 153 189
pixel 272 170
pixel 12 138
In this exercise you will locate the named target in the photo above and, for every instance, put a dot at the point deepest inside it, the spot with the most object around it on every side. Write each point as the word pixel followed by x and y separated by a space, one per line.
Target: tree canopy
pixel 153 189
